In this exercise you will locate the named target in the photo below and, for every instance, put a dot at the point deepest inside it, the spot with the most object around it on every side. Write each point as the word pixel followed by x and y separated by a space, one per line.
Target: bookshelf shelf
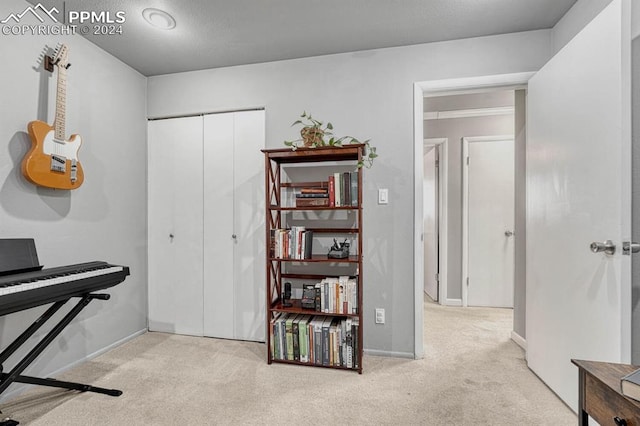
pixel 284 209
pixel 306 336
pixel 318 258
pixel 296 308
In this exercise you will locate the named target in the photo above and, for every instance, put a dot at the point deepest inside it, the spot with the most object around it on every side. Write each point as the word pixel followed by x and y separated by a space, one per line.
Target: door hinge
pixel 437 278
pixel 467 160
pixel 467 281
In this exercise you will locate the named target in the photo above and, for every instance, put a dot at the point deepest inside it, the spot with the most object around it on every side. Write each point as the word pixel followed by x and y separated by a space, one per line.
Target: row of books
pixel 294 243
pixel 344 188
pixel 318 340
pixel 336 295
pixel 341 191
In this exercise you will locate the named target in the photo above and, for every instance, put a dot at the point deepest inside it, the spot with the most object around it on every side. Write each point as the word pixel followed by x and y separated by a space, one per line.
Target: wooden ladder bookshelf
pixel 336 315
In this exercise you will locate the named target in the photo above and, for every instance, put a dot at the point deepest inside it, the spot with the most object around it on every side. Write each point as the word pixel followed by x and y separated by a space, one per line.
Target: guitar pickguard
pixel 67 149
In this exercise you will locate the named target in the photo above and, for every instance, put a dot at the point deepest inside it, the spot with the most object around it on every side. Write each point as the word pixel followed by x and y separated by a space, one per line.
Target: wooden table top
pixel 608 373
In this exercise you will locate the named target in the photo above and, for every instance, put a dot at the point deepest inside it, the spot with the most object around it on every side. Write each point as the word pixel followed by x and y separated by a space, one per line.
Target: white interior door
pixel 234 289
pixel 175 225
pixel 430 188
pixel 489 217
pixel 578 181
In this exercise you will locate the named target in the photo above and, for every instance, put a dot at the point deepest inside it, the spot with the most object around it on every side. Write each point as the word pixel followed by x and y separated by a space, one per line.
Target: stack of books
pixel 313 197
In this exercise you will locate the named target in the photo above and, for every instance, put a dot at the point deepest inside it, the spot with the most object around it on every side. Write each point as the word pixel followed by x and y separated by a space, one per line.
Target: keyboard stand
pixel 15 374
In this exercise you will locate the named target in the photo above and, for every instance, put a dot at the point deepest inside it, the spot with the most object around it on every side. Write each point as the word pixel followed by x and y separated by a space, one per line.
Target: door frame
pixel 443 188
pixel 422 89
pixel 465 205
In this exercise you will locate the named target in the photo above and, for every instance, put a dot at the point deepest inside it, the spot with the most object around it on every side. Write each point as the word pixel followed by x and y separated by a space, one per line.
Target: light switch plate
pixel 383 196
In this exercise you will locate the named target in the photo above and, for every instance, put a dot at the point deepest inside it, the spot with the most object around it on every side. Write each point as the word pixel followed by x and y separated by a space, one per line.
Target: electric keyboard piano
pixel 24 285
pixel 29 289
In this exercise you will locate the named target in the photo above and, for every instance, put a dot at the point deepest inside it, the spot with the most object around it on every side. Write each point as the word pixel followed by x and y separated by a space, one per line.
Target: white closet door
pixel 249 216
pixel 234 226
pixel 219 298
pixel 175 225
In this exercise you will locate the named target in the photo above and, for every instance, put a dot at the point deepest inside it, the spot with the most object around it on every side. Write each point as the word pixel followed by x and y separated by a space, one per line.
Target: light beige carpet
pixel 472 374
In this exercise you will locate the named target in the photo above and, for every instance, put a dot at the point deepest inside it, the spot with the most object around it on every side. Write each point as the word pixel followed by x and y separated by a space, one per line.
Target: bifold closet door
pixel 175 227
pixel 234 225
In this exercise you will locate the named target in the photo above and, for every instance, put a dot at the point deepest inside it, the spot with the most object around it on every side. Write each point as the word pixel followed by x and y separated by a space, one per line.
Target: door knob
pixel 608 247
pixel 509 233
pixel 629 247
pixel 234 236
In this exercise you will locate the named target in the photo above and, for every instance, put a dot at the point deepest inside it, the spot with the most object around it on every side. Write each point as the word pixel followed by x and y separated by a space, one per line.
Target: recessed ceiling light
pixel 159 18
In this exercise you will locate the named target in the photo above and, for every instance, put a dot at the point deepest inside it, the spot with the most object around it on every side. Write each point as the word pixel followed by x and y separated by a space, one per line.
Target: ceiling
pixel 220 33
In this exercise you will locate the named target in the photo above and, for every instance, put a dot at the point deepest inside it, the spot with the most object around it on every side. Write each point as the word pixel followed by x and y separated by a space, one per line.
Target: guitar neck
pixel 61 104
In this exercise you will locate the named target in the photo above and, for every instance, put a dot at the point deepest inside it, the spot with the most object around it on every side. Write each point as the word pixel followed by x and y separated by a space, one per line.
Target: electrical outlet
pixel 379 315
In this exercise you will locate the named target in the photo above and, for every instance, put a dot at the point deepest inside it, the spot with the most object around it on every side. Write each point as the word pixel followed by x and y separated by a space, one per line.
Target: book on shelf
pixel 314 195
pixel 354 189
pixel 346 189
pixel 296 337
pixel 630 385
pixel 314 190
pixel 337 177
pixel 312 202
pixel 332 191
pixel 289 336
pixel 326 341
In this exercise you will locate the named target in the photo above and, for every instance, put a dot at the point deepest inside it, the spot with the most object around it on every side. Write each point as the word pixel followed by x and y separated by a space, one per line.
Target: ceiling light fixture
pixel 159 18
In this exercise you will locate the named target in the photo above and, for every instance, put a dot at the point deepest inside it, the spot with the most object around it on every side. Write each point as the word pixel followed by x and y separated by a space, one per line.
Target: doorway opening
pixel 445 92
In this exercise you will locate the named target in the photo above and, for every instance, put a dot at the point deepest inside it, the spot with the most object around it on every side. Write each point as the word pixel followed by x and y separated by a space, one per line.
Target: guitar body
pixel 51 162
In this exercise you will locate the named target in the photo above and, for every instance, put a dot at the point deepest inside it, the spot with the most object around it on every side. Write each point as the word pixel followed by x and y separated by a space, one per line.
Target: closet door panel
pixel 175 225
pixel 249 217
pixel 218 159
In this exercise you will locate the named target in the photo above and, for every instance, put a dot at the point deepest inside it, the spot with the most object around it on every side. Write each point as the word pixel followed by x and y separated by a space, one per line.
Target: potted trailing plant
pixel 315 133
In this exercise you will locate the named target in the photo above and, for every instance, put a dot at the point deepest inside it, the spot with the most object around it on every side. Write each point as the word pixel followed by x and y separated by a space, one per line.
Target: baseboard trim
pixel 520 341
pixel 389 354
pixel 453 302
pixel 20 388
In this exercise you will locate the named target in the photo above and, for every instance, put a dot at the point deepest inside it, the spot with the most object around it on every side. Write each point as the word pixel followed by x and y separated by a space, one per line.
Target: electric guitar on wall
pixel 52 161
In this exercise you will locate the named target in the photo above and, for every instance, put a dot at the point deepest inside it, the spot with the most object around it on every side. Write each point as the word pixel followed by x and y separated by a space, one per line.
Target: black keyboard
pixel 30 289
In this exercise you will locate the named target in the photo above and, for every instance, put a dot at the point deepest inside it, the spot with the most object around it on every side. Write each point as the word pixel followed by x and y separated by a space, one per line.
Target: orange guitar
pixel 52 161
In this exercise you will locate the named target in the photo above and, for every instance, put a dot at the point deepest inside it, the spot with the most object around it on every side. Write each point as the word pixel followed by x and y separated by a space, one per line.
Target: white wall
pixel 365 94
pixel 105 219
